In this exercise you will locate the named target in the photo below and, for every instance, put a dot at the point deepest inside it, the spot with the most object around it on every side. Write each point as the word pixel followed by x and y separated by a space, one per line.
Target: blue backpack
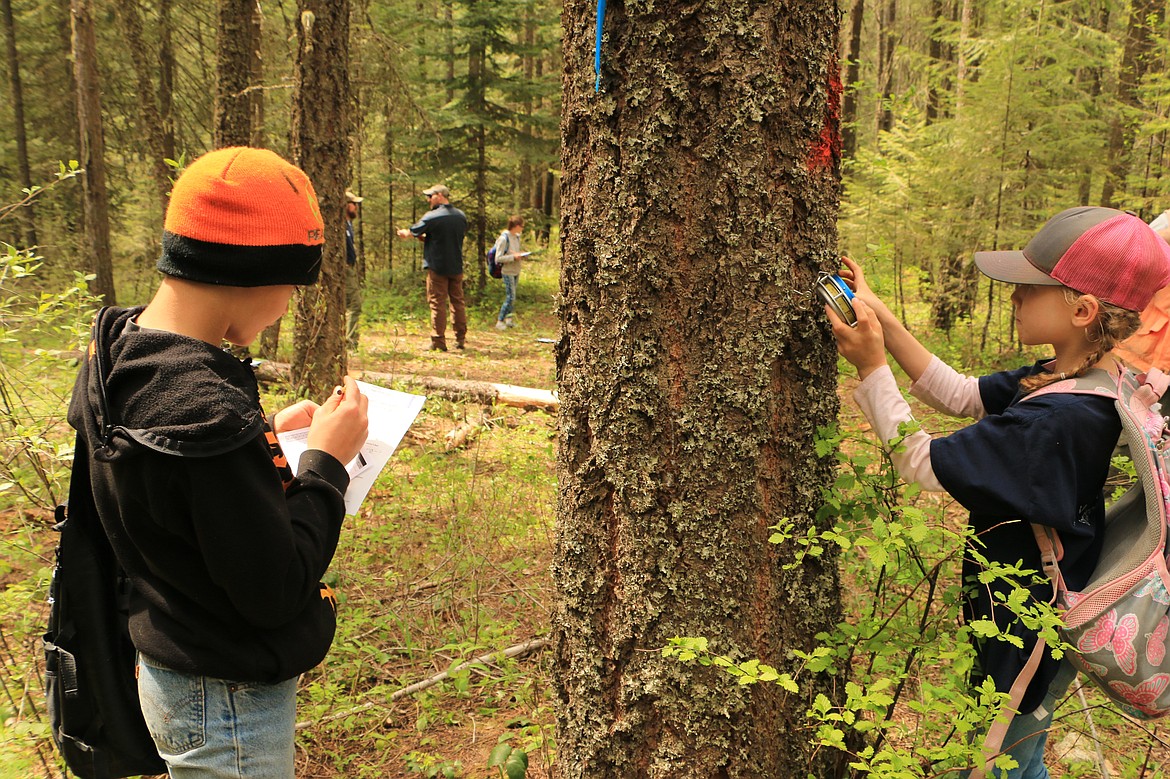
pixel 494 268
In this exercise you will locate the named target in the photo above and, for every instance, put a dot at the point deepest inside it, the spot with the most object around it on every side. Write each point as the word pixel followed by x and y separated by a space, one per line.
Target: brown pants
pixel 439 290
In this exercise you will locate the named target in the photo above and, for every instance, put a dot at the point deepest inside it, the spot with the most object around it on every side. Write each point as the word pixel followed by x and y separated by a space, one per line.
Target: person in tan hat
pixel 353 285
pixel 441 230
pixel 223 547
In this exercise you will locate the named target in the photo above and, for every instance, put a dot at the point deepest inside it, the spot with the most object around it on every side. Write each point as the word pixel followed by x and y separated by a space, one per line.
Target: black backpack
pixel 90 685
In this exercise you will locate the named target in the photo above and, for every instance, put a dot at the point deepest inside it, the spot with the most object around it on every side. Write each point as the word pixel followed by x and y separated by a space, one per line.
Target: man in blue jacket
pixel 441 230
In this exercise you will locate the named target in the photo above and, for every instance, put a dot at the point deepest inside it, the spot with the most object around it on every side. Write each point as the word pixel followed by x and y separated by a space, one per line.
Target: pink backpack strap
pixel 1051 553
pixel 1157 381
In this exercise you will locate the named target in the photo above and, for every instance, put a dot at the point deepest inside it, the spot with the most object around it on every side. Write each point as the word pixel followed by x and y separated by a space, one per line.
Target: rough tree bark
pixel 320 142
pixel 699 202
pixel 95 196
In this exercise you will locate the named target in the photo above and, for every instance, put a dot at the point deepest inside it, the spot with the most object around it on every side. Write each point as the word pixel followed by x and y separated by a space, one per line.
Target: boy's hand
pixel 863 346
pixel 294 417
pixel 339 425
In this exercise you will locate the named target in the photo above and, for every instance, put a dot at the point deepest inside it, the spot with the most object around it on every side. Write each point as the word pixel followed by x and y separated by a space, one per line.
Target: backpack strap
pixel 1094 382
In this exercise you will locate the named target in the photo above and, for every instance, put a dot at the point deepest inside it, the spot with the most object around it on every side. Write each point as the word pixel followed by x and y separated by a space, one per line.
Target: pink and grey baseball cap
pixel 1110 254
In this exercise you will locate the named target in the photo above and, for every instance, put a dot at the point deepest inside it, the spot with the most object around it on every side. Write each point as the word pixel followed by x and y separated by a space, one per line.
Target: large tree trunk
pixel 694 368
pixel 1145 19
pixel 16 89
pixel 320 138
pixel 95 197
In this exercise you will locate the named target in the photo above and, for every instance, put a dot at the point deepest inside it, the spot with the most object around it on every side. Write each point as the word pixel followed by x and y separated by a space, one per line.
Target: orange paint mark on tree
pixel 826 150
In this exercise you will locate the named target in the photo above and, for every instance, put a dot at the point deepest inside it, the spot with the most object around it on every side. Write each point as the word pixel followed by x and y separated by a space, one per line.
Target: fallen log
pixel 488 393
pixel 517 650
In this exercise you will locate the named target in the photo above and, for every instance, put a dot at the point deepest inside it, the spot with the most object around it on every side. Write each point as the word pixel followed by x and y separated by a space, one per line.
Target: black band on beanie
pixel 238 266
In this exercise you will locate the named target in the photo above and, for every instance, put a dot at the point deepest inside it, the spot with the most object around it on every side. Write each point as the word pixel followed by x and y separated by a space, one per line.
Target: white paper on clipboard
pixel 390 415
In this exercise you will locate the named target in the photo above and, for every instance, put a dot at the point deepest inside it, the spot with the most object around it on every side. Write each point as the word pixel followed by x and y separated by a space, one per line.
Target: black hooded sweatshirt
pixel 224 557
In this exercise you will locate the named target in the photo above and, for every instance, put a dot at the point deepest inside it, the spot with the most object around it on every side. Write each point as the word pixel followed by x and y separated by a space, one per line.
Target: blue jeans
pixel 1028 733
pixel 206 728
pixel 509 296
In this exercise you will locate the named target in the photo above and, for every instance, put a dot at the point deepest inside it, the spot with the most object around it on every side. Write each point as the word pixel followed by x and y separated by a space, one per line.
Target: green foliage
pixel 433 765
pixel 42 333
pixel 509 761
pixel 901 657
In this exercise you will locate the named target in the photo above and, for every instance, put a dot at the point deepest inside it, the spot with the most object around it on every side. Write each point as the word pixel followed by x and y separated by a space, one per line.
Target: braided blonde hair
pixel 1112 326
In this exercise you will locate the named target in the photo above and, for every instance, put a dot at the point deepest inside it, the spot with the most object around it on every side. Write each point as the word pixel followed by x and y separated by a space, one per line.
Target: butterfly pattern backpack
pixel 1119 622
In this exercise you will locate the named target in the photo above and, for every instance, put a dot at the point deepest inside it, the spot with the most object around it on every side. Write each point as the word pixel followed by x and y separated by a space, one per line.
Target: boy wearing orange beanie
pixel 223 547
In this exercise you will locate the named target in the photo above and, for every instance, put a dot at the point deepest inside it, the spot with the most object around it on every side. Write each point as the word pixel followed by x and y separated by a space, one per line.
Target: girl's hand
pixel 294 417
pixel 855 278
pixel 863 346
pixel 339 425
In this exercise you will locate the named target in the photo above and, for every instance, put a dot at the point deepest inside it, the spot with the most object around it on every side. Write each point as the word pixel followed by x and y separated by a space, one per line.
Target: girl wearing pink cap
pixel 1080 285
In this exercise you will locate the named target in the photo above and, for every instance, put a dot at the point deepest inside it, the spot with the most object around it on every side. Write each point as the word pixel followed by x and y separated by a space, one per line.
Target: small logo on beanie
pixel 315 235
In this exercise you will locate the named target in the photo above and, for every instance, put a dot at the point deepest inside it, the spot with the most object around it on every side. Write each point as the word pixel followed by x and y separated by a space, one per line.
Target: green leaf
pixel 499 754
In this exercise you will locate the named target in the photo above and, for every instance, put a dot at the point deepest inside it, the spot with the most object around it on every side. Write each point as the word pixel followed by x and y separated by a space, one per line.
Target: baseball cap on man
pixel 1110 254
pixel 350 197
pixel 437 189
pixel 243 217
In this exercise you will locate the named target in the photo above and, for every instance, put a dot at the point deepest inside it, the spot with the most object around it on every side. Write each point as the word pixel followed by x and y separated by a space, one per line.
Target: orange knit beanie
pixel 244 218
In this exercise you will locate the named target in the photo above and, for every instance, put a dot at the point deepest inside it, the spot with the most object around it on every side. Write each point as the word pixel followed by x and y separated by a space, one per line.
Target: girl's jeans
pixel 509 296
pixel 206 728
pixel 1028 733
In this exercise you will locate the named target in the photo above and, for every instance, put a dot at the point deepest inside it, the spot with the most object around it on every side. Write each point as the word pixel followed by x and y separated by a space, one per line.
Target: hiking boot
pixel 509 322
pixel 500 325
pixel 460 345
pixel 437 347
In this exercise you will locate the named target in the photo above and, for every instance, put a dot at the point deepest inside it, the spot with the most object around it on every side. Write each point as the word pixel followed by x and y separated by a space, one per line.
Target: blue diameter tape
pixel 597 45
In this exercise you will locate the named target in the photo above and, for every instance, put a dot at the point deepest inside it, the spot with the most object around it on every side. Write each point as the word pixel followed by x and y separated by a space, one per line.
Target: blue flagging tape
pixel 597 45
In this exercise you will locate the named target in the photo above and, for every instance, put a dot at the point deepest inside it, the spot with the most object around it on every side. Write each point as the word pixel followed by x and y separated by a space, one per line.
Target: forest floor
pixel 447 561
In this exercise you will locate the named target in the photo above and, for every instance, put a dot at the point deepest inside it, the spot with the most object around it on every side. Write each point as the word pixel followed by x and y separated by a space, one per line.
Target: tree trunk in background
pixel 528 63
pixel 887 43
pixel 934 54
pixel 390 228
pixel 355 182
pixel 320 142
pixel 953 290
pixel 477 100
pixel 65 135
pixel 232 123
pixel 449 49
pixel 166 78
pixel 1097 19
pixel 966 30
pixel 852 74
pixel 694 368
pixel 1145 20
pixel 95 197
pixel 150 118
pixel 16 90
pixel 259 135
